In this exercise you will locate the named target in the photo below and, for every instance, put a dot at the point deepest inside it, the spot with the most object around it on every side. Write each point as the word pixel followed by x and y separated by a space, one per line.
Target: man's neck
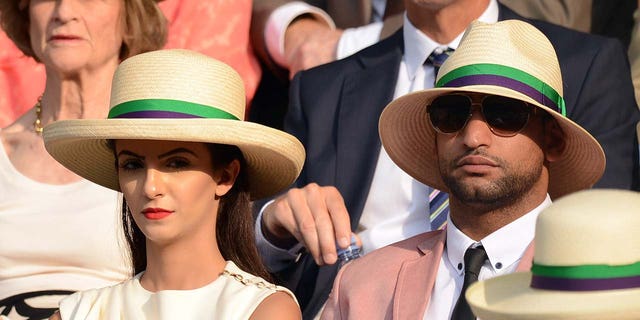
pixel 443 23
pixel 478 221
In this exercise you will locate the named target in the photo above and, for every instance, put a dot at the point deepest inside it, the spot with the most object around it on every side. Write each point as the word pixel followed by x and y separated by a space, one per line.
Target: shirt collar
pixel 418 46
pixel 504 247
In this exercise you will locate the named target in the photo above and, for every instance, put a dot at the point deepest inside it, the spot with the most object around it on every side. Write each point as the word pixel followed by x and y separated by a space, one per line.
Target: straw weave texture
pixel 592 227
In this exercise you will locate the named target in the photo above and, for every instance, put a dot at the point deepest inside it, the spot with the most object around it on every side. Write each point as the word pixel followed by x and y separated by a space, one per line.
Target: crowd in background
pixel 323 72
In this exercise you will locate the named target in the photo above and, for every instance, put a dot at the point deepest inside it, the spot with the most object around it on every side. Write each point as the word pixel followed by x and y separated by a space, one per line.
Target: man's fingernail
pixel 329 258
pixel 343 242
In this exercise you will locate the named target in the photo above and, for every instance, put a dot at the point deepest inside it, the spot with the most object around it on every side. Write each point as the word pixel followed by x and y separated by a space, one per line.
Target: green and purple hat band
pixel 585 277
pixel 166 109
pixel 506 77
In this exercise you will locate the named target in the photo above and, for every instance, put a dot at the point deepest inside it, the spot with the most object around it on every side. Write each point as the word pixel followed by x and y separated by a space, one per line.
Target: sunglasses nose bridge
pixel 476 108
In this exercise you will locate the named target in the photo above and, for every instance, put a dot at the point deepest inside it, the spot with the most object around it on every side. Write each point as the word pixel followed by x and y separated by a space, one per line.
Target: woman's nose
pixel 65 11
pixel 153 184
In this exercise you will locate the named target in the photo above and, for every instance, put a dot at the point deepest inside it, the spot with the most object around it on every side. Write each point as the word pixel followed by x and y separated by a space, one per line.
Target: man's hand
pixel 309 43
pixel 315 216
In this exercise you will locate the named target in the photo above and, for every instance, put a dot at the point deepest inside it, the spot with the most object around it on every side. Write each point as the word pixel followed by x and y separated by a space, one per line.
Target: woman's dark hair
pixel 145 27
pixel 234 226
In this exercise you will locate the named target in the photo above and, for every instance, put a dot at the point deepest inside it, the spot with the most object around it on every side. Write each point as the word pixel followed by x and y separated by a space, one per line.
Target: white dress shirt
pixel 504 248
pixel 397 206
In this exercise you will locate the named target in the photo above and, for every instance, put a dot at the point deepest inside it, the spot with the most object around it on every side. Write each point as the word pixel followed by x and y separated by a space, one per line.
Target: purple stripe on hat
pixel 502 81
pixel 155 115
pixel 565 284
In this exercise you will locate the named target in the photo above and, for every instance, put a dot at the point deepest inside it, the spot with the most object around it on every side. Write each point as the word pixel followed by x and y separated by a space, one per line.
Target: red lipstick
pixel 156 213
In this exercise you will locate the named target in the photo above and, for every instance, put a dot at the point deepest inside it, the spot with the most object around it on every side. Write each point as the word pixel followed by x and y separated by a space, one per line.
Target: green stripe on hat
pixel 587 271
pixel 168 105
pixel 489 69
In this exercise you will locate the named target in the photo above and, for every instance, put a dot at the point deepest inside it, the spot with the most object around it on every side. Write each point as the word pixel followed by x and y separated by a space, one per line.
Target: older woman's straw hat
pixel 586 264
pixel 176 95
pixel 510 58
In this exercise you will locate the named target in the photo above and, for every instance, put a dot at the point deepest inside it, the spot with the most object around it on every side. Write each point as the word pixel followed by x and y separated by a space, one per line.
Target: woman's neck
pixel 84 95
pixel 184 265
pixel 65 97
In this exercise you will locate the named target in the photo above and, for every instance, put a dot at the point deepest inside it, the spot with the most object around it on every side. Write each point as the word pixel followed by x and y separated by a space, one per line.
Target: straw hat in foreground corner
pixel 510 58
pixel 176 95
pixel 586 264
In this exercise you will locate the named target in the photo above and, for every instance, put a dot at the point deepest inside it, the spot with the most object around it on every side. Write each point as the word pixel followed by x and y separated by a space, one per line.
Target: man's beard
pixel 504 191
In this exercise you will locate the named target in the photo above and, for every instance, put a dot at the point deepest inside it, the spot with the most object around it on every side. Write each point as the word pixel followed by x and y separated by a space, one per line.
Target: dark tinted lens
pixel 505 115
pixel 449 113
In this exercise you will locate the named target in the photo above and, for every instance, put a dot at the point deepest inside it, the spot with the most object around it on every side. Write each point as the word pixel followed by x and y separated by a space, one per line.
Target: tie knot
pixel 474 258
pixel 438 56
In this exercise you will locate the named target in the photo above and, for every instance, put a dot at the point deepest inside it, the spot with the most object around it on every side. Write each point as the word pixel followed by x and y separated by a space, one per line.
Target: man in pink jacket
pixel 493 134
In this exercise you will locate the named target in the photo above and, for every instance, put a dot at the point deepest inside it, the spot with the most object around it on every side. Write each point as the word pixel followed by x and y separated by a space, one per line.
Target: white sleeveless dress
pixel 55 240
pixel 234 295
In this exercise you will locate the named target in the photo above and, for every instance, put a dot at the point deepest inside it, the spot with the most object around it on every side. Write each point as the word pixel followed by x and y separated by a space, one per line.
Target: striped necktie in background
pixel 437 58
pixel 438 201
pixel 439 208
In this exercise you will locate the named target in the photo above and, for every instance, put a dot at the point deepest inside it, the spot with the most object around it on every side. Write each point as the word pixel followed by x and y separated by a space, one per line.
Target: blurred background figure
pixel 610 18
pixel 217 28
pixel 586 264
pixel 21 81
pixel 59 231
pixel 194 25
pixel 296 35
pixel 290 36
pixel 634 56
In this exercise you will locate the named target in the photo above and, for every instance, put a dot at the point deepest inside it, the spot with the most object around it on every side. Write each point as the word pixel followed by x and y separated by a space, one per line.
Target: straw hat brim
pixel 274 158
pixel 510 297
pixel 409 139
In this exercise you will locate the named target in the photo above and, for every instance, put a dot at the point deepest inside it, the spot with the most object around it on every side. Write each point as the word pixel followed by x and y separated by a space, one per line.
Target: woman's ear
pixel 553 140
pixel 228 175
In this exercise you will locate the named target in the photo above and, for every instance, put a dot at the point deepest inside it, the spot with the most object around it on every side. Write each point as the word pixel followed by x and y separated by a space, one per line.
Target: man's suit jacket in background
pixel 394 282
pixel 345 14
pixel 271 100
pixel 334 111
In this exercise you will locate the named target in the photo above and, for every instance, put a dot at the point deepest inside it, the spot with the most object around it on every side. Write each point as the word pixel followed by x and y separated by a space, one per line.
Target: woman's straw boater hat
pixel 586 264
pixel 176 95
pixel 509 58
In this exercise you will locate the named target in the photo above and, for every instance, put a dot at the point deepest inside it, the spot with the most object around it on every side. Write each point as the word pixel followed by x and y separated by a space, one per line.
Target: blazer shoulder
pixel 564 37
pixel 391 257
pixel 566 41
pixel 378 271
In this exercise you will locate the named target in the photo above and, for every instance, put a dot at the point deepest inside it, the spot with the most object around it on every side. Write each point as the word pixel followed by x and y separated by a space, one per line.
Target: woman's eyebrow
pixel 177 150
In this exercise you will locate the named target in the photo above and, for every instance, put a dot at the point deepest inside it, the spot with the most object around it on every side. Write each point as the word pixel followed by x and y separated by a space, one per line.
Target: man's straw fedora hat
pixel 176 95
pixel 510 58
pixel 586 264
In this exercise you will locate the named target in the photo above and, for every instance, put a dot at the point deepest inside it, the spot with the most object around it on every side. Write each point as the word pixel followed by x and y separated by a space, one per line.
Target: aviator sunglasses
pixel 504 116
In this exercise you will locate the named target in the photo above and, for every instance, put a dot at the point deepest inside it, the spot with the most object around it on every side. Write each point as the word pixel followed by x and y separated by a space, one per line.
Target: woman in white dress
pixel 57 230
pixel 175 144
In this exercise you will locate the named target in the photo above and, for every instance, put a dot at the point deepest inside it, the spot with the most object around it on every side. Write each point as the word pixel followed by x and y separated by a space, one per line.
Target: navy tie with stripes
pixel 438 200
